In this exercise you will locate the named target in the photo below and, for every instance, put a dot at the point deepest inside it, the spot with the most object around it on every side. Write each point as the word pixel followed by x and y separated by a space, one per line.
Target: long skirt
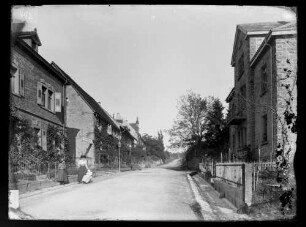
pixel 63 176
pixel 81 172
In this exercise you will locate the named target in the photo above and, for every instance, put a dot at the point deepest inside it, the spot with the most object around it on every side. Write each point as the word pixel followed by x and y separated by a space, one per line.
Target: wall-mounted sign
pixel 87 140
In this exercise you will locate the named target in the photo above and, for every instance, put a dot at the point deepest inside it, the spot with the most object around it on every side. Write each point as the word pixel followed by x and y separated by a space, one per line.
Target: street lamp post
pixel 119 146
pixel 130 146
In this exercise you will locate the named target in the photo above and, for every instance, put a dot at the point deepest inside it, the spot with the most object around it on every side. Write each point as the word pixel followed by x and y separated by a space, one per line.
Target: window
pixel 17 81
pixel 264 128
pixel 240 66
pixel 264 79
pixel 46 97
pixel 43 99
pixel 44 138
pixel 50 97
pixel 40 137
pixel 37 137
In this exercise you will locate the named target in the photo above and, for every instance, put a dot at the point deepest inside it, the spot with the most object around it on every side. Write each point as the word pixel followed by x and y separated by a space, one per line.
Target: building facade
pixel 252 128
pixel 83 115
pixel 274 74
pixel 37 89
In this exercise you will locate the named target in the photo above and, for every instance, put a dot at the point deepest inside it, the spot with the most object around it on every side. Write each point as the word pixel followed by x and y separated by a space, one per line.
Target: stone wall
pixel 286 59
pixel 80 124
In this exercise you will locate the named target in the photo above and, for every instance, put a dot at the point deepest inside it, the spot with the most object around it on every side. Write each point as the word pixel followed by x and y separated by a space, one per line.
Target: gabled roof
pixel 287 29
pixel 261 28
pixel 134 125
pixel 131 130
pixel 89 100
pixel 258 27
pixel 29 50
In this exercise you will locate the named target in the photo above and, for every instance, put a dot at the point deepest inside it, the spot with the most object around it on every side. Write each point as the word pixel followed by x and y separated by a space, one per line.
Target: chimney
pixel 119 118
pixel 31 38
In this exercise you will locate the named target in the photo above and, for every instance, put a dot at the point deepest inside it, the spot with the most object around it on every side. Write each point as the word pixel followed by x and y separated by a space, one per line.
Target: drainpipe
pixel 271 93
pixel 64 110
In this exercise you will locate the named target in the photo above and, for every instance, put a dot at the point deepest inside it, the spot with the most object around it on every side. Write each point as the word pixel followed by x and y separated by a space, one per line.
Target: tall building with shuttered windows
pixel 37 89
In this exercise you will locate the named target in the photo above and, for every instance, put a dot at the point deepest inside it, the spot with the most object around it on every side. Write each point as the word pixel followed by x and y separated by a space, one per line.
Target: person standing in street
pixel 82 168
pixel 62 173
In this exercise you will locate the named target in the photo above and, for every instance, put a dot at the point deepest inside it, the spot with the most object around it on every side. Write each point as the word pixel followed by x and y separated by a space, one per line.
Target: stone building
pixel 37 88
pixel 270 65
pixel 82 114
pixel 129 138
pixel 257 57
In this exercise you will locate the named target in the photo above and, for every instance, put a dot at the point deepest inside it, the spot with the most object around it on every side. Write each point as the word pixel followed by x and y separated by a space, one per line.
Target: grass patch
pixel 270 210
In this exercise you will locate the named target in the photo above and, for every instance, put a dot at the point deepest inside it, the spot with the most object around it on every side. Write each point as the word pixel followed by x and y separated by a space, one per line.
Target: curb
pixel 206 210
pixel 36 192
pixel 56 187
pixel 215 212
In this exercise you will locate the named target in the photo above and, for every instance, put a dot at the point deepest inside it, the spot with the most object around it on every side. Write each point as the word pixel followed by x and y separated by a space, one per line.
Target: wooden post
pixel 243 182
pixel 48 173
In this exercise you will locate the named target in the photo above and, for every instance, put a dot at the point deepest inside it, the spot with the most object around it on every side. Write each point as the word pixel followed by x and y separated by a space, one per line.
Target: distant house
pixel 83 114
pixel 37 88
pixel 259 55
pixel 136 128
pixel 129 138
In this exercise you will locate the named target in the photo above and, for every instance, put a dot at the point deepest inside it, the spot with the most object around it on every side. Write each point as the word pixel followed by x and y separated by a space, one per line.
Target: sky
pixel 138 60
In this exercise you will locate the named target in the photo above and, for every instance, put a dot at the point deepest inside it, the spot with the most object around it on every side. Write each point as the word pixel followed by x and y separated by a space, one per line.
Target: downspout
pixel 271 93
pixel 64 111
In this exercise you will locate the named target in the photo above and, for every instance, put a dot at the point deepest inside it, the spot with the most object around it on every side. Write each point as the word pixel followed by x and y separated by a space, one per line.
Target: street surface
pixel 160 193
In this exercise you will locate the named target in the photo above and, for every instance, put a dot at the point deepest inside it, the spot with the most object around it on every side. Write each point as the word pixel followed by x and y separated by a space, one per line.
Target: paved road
pixel 151 194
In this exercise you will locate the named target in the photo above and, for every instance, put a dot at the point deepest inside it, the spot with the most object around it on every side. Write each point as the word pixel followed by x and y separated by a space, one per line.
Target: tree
pixel 216 135
pixel 191 121
pixel 155 147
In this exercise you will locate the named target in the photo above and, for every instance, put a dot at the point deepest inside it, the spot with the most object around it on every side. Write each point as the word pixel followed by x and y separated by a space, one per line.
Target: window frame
pixel 47 100
pixel 15 81
pixel 37 137
pixel 263 79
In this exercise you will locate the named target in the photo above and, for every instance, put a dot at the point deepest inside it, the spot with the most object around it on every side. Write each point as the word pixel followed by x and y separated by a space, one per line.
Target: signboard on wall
pixel 87 140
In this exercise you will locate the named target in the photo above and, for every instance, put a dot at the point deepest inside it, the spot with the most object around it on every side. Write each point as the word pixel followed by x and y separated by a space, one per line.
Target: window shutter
pixel 21 77
pixel 39 93
pixel 44 139
pixel 39 137
pixel 13 83
pixel 58 102
pixel 16 82
pixel 52 102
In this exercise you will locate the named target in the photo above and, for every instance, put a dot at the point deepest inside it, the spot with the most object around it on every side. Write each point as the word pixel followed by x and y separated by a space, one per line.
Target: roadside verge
pixel 213 208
